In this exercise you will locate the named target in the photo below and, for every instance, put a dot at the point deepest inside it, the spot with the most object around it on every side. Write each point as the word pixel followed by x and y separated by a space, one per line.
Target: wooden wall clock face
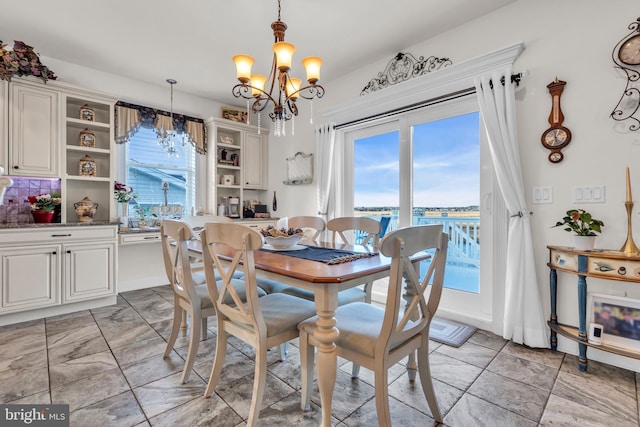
pixel 557 136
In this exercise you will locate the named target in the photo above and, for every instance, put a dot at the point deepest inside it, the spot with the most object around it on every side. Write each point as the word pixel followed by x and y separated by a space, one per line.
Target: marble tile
pixel 288 370
pixel 81 367
pixel 236 365
pixel 238 393
pixel 82 345
pixel 600 372
pixel 121 410
pixel 122 314
pixel 212 411
pixel 41 398
pixel 525 371
pixel 166 292
pixel 349 394
pixel 488 339
pixel 90 390
pixel 163 329
pixel 138 295
pixel 511 395
pixel 564 412
pixel 121 334
pixel 23 362
pixel 471 411
pixel 452 371
pixel 610 398
pixel 368 376
pixel 411 393
pixel 206 350
pixel 401 415
pixel 168 393
pixel 543 356
pixel 22 341
pixel 154 368
pixel 81 333
pixel 68 322
pixel 469 352
pixel 287 413
pixel 155 309
pixel 24 383
pixel 139 350
pixel 11 332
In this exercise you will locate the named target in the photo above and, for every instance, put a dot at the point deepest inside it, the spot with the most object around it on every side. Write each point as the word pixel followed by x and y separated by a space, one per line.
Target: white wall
pixel 571 40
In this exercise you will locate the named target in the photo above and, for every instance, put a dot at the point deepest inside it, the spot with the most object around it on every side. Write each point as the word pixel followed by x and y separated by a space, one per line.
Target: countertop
pixel 56 224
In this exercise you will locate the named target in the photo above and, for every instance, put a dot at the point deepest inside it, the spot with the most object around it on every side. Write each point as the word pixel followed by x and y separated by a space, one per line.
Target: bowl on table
pixel 283 242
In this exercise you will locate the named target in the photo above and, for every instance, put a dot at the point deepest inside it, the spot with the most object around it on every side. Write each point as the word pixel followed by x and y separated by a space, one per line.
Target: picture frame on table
pixel 619 317
pixel 235 114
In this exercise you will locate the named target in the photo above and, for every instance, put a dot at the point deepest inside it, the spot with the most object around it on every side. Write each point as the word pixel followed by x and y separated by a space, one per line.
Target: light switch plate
pixel 588 194
pixel 542 195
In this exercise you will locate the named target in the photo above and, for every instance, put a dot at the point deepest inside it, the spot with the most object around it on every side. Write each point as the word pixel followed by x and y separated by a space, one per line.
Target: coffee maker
pixel 233 207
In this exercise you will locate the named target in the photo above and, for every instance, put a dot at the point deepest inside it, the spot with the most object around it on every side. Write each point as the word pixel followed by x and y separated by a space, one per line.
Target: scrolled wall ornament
pixel 626 56
pixel 404 66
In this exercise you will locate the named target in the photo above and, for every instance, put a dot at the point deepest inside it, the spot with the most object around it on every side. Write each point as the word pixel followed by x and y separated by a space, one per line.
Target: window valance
pixel 129 118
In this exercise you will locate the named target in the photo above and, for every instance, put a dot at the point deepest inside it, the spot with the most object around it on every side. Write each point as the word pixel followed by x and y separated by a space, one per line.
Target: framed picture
pixel 87 113
pixel 235 114
pixel 619 317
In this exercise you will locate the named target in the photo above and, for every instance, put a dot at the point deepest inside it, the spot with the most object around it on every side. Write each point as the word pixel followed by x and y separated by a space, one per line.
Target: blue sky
pixel 446 165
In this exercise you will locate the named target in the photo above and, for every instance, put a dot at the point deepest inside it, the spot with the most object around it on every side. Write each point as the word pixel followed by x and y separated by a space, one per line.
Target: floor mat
pixel 450 332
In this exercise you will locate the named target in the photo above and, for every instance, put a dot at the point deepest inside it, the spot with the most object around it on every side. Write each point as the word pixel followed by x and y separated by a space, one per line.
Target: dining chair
pixel 190 294
pixel 261 322
pixel 379 338
pixel 314 224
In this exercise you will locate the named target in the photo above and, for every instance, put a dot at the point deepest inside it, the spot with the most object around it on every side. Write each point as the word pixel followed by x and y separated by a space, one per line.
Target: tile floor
pixel 107 365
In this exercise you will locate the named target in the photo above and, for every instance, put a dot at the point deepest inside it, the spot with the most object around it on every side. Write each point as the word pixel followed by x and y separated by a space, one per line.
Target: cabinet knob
pixel 55 253
pixel 16 167
pixel 68 252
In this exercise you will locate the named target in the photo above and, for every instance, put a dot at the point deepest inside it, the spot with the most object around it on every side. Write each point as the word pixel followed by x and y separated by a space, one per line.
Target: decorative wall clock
pixel 557 136
pixel 626 56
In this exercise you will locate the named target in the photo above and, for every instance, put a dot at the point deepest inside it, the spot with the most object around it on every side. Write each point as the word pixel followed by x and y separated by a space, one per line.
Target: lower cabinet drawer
pixel 129 239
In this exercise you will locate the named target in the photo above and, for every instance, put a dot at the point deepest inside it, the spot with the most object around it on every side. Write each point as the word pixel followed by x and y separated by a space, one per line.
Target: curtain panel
pixel 325 146
pixel 130 117
pixel 524 321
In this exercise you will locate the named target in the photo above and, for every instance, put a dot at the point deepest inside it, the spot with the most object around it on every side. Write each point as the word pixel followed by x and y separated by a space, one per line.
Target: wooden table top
pixel 316 271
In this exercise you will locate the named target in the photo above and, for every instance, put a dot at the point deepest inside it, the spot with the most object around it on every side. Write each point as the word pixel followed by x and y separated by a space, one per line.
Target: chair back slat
pixel 243 241
pixel 400 325
pixel 177 263
pixel 315 223
pixel 370 226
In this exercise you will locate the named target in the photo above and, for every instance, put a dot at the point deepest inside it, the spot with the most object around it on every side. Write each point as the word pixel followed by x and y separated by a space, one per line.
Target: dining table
pixel 325 280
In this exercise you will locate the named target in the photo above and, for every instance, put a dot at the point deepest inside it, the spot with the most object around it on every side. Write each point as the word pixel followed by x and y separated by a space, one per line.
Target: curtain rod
pixel 515 78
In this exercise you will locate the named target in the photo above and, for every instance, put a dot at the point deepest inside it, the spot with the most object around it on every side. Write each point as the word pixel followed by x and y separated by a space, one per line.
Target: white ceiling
pixel 193 41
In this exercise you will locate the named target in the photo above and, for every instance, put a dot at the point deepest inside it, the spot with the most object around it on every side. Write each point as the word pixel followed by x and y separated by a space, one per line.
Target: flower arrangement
pixel 43 202
pixel 123 193
pixel 22 61
pixel 580 222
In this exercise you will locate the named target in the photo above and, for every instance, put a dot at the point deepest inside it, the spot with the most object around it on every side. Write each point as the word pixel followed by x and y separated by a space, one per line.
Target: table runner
pixel 326 255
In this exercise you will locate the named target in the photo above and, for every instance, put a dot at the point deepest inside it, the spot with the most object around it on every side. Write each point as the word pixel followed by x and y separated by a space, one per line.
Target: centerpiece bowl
pixel 282 238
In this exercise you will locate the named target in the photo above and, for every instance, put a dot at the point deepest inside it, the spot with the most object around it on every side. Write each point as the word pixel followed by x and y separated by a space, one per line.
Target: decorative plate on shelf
pixel 87 166
pixel 87 138
pixel 87 113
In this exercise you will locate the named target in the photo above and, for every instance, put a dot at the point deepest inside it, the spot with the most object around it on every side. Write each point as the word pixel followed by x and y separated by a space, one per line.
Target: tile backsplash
pixel 15 206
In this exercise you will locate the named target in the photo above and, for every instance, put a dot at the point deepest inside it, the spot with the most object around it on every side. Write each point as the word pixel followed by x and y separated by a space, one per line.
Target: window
pixel 148 167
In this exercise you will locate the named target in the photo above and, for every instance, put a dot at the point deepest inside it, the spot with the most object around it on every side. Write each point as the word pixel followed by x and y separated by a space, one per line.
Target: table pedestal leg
pixel 326 335
pixel 553 290
pixel 582 322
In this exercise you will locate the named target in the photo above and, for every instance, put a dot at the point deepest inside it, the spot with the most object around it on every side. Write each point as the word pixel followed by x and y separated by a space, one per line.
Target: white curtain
pixel 524 321
pixel 325 147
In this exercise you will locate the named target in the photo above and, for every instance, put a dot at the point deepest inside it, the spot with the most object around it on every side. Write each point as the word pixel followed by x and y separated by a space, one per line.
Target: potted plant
pixel 583 225
pixel 42 207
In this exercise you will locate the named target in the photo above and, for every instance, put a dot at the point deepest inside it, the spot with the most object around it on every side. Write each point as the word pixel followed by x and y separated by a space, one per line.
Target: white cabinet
pixel 56 266
pixel 30 277
pixel 238 162
pixel 4 125
pixel 88 270
pixel 34 131
pixel 255 156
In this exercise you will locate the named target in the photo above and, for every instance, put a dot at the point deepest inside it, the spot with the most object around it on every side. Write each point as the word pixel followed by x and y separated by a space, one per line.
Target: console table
pixel 603 264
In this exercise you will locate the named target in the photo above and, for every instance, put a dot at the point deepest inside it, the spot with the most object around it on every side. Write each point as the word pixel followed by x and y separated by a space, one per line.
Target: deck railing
pixel 464 236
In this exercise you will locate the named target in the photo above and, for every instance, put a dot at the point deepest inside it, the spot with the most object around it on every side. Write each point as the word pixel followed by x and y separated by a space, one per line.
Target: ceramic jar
pixel 85 209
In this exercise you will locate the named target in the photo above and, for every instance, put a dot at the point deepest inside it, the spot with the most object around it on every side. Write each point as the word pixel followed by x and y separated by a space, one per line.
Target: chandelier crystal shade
pixel 279 88
pixel 169 139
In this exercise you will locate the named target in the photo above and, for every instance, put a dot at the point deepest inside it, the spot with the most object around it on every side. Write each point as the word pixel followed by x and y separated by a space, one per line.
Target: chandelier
pixel 278 88
pixel 169 139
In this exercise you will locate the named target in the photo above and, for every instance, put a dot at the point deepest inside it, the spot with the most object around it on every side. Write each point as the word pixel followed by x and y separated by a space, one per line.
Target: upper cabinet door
pixel 4 125
pixel 34 132
pixel 254 170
